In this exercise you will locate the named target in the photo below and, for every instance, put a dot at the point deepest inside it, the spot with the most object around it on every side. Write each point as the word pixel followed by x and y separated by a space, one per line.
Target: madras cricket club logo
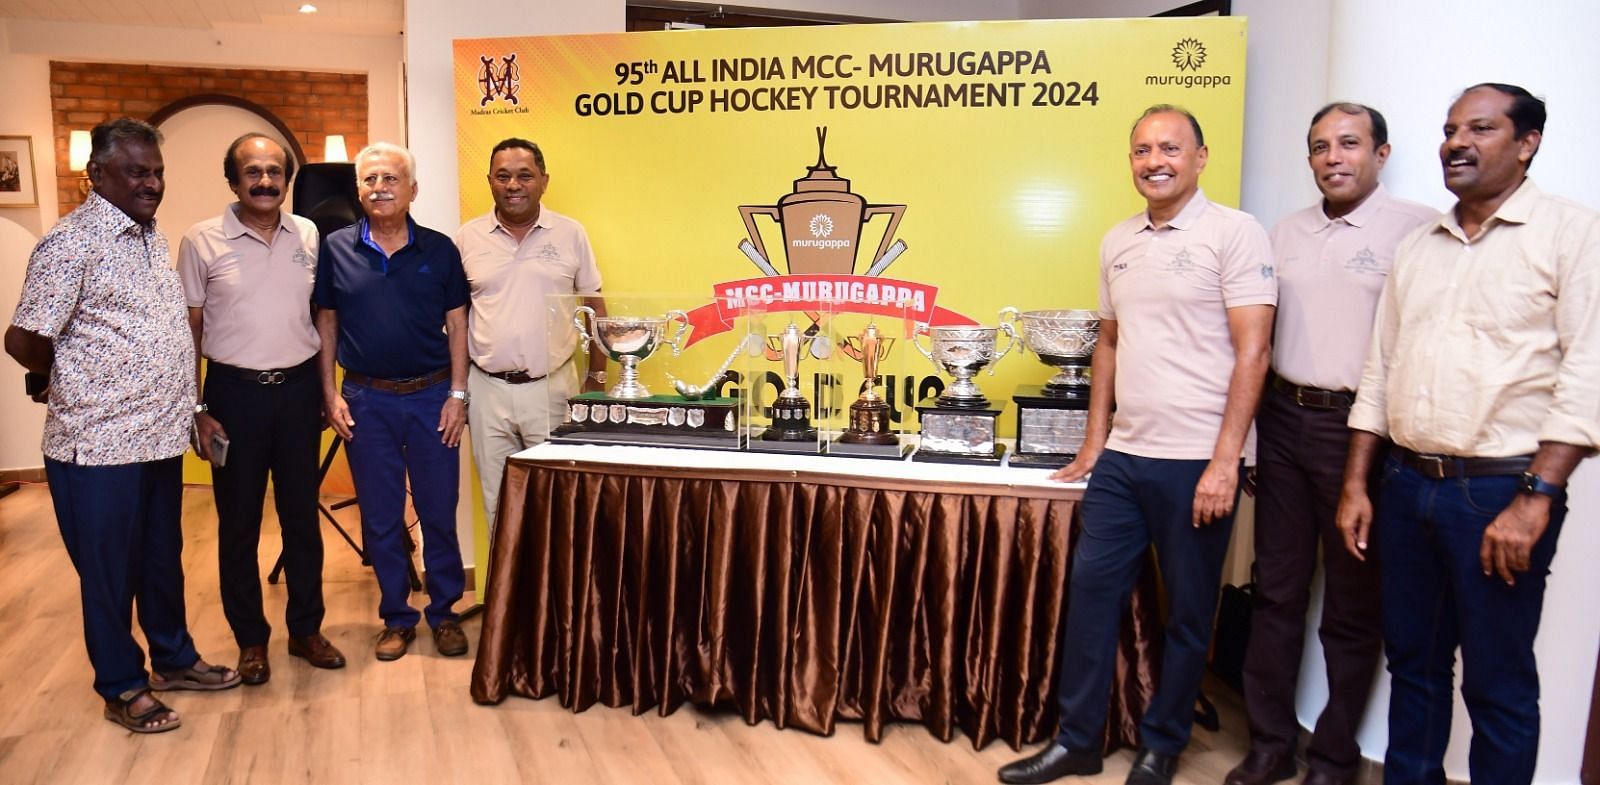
pixel 499 81
pixel 821 221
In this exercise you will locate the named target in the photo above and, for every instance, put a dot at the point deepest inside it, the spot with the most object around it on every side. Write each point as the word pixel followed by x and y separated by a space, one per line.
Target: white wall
pixel 25 111
pixel 27 46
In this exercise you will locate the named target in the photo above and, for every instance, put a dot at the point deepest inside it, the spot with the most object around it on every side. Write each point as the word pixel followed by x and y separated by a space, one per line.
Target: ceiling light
pixel 308 8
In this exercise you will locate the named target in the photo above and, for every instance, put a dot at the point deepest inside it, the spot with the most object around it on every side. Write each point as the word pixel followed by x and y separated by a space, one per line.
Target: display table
pixel 799 589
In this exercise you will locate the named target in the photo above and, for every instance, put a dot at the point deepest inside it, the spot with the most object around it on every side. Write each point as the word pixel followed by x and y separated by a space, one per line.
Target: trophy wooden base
pixel 656 421
pixel 1050 426
pixel 993 458
pixel 886 451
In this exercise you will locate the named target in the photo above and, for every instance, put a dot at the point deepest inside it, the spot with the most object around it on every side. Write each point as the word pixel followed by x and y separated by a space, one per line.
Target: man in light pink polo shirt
pixel 1187 290
pixel 247 277
pixel 1333 258
pixel 526 265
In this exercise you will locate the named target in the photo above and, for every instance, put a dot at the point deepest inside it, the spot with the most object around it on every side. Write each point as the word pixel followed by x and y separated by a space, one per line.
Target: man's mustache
pixel 266 190
pixel 382 196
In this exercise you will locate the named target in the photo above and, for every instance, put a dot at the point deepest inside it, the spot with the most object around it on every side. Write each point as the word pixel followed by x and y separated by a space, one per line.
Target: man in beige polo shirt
pixel 1187 289
pixel 1484 370
pixel 247 277
pixel 527 265
pixel 1332 260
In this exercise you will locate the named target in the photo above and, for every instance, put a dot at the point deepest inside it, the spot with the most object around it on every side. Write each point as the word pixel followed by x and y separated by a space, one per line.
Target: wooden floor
pixel 406 722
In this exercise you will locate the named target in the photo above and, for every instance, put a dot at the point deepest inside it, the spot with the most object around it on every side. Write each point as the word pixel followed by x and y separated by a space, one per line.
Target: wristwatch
pixel 599 377
pixel 200 409
pixel 1533 483
pixel 462 395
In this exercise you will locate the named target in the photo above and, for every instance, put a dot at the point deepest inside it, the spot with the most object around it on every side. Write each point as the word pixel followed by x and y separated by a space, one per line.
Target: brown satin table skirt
pixel 798 597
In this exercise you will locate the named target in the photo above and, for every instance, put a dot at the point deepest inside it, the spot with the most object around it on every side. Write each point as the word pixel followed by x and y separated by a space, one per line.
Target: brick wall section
pixel 313 104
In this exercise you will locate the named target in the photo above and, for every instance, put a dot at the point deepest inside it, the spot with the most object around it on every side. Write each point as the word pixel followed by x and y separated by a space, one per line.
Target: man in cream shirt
pixel 1484 370
pixel 526 267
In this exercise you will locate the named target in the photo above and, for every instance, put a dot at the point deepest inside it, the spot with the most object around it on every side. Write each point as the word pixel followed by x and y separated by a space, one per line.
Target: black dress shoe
pixel 1314 777
pixel 1152 768
pixel 1261 768
pixel 1049 764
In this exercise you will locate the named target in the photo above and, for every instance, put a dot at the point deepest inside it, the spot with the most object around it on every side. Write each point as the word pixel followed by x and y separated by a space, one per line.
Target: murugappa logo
pixel 1189 55
pixel 821 225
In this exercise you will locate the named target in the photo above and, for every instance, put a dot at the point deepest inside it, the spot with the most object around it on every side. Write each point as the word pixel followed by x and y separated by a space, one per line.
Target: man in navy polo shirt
pixel 392 298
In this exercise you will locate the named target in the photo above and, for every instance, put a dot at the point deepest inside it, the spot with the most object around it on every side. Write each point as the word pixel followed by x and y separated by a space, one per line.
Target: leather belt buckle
pixel 1299 395
pixel 270 377
pixel 1431 466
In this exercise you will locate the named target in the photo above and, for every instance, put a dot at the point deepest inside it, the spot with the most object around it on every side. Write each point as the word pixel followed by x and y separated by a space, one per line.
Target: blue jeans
pixel 1131 504
pixel 396 437
pixel 1436 598
pixel 122 527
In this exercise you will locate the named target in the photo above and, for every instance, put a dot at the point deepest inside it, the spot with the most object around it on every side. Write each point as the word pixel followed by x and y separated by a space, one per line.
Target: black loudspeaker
pixel 326 194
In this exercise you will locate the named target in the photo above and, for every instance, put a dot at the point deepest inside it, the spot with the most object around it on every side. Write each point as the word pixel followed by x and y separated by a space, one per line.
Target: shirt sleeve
pixel 1106 309
pixel 587 279
pixel 323 294
pixel 51 287
pixel 1370 412
pixel 1249 273
pixel 1574 416
pixel 456 291
pixel 192 271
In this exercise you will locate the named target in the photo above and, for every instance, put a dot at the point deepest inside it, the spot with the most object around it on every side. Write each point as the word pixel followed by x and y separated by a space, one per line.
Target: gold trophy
pixel 869 434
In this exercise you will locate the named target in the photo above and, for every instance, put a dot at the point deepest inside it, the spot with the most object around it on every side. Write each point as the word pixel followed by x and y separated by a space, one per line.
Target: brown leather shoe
pixel 1315 777
pixel 449 639
pixel 1261 768
pixel 393 642
pixel 253 666
pixel 317 650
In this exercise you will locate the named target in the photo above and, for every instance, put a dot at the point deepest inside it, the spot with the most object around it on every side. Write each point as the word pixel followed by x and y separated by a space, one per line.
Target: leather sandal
pixel 199 676
pixel 120 711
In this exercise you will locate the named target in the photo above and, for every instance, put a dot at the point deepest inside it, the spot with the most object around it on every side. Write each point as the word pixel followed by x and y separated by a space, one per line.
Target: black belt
pixel 1438 467
pixel 1313 397
pixel 398 386
pixel 272 376
pixel 514 377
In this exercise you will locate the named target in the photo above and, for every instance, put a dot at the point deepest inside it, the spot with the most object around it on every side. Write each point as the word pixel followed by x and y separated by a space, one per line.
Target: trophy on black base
pixel 791 429
pixel 627 413
pixel 869 434
pixel 1052 419
pixel 959 427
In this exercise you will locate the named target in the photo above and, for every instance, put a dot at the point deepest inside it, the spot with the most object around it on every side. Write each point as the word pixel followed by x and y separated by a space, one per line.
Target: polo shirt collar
pixel 1186 218
pixel 1365 211
pixel 542 222
pixel 1516 209
pixel 364 236
pixel 233 228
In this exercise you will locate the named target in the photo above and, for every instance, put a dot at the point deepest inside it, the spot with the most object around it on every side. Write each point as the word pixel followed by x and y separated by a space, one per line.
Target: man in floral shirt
pixel 102 315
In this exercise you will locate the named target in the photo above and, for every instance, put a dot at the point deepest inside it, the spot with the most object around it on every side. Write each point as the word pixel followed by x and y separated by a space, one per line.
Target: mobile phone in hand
pixel 219 450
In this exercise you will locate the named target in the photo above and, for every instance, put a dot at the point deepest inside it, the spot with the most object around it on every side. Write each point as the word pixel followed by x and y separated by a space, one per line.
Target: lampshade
pixel 78 150
pixel 334 151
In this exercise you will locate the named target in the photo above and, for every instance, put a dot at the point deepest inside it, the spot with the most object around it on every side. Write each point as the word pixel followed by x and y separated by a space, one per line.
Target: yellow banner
pixel 958 167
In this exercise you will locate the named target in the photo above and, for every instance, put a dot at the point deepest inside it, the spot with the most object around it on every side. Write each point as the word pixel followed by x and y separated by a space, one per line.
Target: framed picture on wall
pixel 17 188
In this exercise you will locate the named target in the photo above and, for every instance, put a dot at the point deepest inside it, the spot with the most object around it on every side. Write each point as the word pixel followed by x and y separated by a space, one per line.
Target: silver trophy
pixel 962 352
pixel 1064 340
pixel 629 340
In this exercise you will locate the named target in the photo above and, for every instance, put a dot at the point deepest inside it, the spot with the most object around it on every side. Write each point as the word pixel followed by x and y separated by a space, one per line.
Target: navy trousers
pixel 122 528
pixel 1131 504
pixel 397 437
pixel 1435 599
